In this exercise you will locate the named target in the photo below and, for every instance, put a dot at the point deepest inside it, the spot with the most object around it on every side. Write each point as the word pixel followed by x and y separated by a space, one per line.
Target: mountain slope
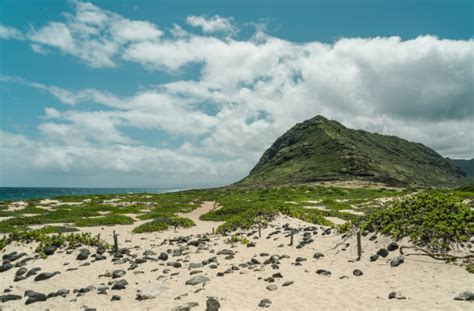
pixel 466 166
pixel 324 150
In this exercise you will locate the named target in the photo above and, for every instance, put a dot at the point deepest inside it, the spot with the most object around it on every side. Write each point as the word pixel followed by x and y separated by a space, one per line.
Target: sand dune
pixel 427 284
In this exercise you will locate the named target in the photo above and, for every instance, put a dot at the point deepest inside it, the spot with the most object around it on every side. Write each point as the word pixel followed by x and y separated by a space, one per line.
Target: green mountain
pixel 324 150
pixel 466 166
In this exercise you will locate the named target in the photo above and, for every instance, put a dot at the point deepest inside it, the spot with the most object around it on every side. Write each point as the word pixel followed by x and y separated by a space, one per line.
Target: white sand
pixel 427 284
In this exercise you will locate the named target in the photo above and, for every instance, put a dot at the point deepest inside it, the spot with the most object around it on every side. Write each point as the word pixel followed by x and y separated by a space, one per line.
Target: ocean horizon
pixel 26 193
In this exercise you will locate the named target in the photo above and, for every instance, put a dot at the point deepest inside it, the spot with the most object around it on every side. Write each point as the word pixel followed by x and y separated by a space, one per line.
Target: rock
pixel 49 250
pixel 174 264
pixel 287 283
pixel 45 275
pixel 265 303
pixel 397 261
pixel 35 297
pixel 21 271
pixel 225 252
pixel 150 292
pixel 32 272
pixel 83 254
pixel 149 253
pixel 396 295
pixel 212 304
pixel 318 255
pixel 357 272
pixel 255 261
pixel 6 267
pixel 115 298
pixel 197 280
pixel 186 307
pixel 62 292
pixel 277 275
pixel 466 295
pixel 272 287
pixel 374 257
pixel 382 252
pixel 118 274
pixel 392 246
pixel 300 259
pixel 140 260
pixel 323 272
pixel 118 285
pixel 9 297
pixel 195 265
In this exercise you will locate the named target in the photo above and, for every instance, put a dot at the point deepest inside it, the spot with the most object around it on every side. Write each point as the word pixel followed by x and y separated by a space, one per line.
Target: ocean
pixel 19 193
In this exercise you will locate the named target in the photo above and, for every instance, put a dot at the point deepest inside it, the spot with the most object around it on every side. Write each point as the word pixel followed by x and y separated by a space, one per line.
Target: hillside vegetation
pixel 324 150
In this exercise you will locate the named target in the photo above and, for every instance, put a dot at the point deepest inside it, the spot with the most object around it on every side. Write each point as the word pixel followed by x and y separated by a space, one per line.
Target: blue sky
pixel 190 93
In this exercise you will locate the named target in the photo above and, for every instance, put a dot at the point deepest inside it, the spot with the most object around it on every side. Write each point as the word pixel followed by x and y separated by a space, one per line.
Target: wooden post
pixel 212 230
pixel 291 237
pixel 98 237
pixel 259 230
pixel 359 246
pixel 116 244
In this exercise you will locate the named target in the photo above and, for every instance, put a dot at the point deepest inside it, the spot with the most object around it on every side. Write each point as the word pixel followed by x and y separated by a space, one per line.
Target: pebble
pixel 357 272
pixel 212 304
pixel 265 303
pixel 397 261
pixel 197 280
pixel 466 295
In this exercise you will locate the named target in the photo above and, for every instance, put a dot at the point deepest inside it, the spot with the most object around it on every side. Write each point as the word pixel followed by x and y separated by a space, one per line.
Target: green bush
pixel 435 220
pixel 107 220
pixel 163 223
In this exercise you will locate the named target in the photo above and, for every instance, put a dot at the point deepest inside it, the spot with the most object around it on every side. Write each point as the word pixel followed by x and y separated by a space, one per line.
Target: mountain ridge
pixel 319 150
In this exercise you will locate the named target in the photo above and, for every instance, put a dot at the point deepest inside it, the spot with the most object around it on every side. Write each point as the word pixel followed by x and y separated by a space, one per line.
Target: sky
pixel 177 94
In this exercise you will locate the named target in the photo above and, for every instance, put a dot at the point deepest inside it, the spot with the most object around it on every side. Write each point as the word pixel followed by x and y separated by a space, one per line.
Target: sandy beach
pixel 240 277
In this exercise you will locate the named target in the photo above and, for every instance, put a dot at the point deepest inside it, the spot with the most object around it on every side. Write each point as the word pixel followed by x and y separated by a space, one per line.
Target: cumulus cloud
pixel 212 24
pixel 247 93
pixel 10 33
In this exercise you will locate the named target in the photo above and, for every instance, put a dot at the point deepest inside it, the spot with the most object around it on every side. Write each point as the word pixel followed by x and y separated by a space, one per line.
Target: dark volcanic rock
pixel 318 255
pixel 287 283
pixel 49 250
pixel 6 267
pixel 212 304
pixel 197 280
pixel 265 303
pixel 163 256
pixel 45 275
pixel 21 271
pixel 466 295
pixel 8 297
pixel 118 285
pixel 323 272
pixel 118 274
pixel 392 246
pixel 115 298
pixel 34 297
pixel 382 252
pixel 397 261
pixel 83 254
pixel 374 257
pixel 357 272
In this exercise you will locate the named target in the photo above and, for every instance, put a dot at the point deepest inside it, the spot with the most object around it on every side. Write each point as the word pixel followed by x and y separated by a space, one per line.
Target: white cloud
pixel 212 24
pixel 248 93
pixel 10 33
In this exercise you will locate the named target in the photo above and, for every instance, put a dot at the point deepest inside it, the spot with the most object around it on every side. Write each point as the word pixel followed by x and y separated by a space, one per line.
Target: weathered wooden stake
pixel 98 237
pixel 116 244
pixel 359 246
pixel 259 230
pixel 291 237
pixel 212 230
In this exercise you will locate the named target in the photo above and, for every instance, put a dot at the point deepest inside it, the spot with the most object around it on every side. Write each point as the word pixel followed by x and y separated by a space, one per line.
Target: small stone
pixel 115 298
pixel 163 256
pixel 382 252
pixel 212 304
pixel 287 283
pixel 197 280
pixel 318 255
pixel 374 257
pixel 9 297
pixel 357 272
pixel 186 307
pixel 45 275
pixel 265 303
pixel 83 254
pixel 118 274
pixel 21 271
pixel 466 295
pixel 35 297
pixel 396 295
pixel 49 250
pixel 272 287
pixel 397 261
pixel 118 285
pixel 6 267
pixel 392 246
pixel 323 272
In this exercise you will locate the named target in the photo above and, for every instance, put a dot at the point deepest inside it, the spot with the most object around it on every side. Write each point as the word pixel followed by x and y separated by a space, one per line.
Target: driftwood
pixel 437 256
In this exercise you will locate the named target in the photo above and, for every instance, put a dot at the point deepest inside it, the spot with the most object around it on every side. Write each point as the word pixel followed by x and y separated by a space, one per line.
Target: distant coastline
pixel 27 193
